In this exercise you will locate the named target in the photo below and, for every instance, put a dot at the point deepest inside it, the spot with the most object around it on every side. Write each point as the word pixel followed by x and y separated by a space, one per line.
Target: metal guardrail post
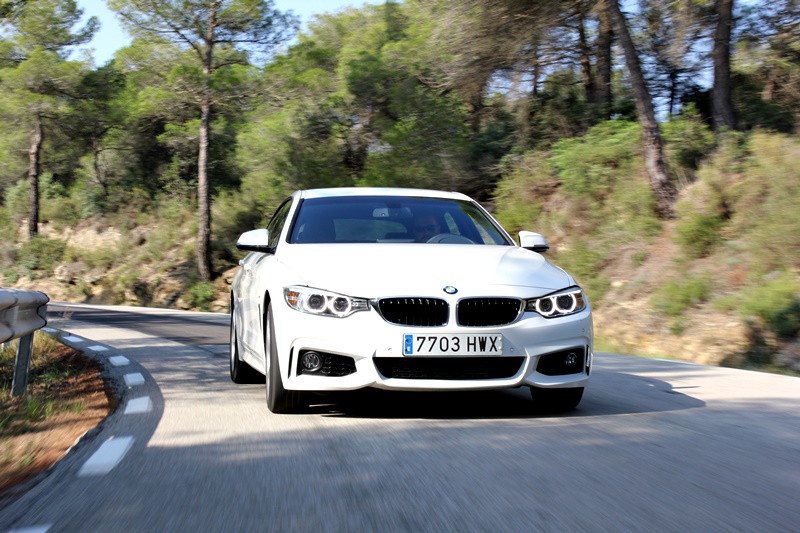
pixel 21 314
pixel 22 365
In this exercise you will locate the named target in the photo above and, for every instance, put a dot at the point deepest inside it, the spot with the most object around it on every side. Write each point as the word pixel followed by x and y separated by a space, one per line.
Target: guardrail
pixel 21 314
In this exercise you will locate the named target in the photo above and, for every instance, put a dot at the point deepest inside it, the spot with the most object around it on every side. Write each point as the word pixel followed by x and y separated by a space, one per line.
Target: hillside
pixel 715 286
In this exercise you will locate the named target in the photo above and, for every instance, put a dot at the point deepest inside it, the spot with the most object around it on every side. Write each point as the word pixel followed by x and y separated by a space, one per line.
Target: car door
pixel 256 267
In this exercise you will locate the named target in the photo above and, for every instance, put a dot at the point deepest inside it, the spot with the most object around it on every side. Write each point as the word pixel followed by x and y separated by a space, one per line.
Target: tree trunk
pixel 605 34
pixel 585 60
pixel 203 186
pixel 660 183
pixel 723 115
pixel 204 197
pixel 96 166
pixel 34 169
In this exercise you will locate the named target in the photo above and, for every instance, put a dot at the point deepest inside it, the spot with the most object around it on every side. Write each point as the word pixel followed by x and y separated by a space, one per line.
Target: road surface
pixel 654 446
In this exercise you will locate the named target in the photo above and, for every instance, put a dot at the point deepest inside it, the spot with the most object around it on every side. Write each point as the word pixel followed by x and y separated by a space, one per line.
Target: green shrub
pixel 776 302
pixel 628 213
pixel 585 266
pixel 767 202
pixel 688 138
pixel 591 165
pixel 519 194
pixel 678 295
pixel 40 254
pixel 17 200
pixel 786 322
pixel 201 295
pixel 698 234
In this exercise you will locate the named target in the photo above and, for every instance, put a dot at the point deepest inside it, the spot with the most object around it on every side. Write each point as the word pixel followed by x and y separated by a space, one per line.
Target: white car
pixel 403 289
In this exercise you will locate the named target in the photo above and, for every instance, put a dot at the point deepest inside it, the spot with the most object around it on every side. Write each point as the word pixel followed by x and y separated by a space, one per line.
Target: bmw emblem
pixel 450 289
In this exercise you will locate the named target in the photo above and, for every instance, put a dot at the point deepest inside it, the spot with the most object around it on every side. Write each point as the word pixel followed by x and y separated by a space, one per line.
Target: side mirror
pixel 534 242
pixel 256 240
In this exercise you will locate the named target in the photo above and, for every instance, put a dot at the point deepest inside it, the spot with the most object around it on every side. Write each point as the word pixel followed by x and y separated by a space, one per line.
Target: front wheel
pixel 556 400
pixel 279 400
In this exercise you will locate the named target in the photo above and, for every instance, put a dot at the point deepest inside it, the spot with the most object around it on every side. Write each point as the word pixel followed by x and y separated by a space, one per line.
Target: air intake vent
pixel 414 311
pixel 476 312
pixel 449 368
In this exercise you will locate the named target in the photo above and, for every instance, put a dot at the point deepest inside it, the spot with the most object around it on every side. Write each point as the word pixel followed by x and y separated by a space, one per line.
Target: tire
pixel 556 400
pixel 241 372
pixel 279 400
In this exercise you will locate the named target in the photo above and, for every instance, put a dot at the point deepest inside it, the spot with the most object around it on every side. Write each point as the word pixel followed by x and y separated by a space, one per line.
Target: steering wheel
pixel 449 238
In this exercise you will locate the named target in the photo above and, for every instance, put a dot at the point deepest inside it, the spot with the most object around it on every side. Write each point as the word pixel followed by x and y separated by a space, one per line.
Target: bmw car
pixel 406 290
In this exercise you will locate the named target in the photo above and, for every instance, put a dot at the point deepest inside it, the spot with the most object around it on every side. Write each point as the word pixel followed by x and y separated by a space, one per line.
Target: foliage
pixel 698 233
pixel 776 302
pixel 500 100
pixel 38 256
pixel 201 295
pixel 586 265
pixel 766 202
pixel 589 165
pixel 689 139
pixel 521 193
pixel 677 295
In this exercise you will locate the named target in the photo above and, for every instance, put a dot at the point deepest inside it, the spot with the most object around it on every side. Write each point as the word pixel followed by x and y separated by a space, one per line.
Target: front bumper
pixel 373 343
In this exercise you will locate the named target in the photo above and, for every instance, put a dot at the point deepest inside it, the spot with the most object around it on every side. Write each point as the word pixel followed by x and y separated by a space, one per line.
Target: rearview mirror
pixel 256 240
pixel 391 212
pixel 534 242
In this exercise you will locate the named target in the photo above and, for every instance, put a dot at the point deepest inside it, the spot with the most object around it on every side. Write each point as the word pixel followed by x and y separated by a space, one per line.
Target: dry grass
pixel 65 398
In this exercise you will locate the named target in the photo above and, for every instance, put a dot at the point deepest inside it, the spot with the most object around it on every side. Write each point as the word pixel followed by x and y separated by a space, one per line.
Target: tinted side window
pixel 278 220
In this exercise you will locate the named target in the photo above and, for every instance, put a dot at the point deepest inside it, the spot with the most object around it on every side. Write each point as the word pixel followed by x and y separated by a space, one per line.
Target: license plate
pixel 453 344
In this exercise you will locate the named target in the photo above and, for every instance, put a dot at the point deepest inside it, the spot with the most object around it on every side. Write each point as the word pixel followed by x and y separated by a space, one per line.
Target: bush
pixel 201 295
pixel 585 265
pixel 17 200
pixel 768 200
pixel 591 165
pixel 786 322
pixel 678 295
pixel 40 254
pixel 698 234
pixel 688 138
pixel 519 195
pixel 777 303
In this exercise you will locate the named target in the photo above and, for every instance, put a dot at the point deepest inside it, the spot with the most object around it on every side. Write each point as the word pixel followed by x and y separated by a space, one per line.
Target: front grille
pixel 477 312
pixel 562 363
pixel 448 368
pixel 414 311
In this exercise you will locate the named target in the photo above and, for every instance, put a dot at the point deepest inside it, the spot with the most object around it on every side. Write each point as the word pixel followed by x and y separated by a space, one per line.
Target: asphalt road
pixel 654 446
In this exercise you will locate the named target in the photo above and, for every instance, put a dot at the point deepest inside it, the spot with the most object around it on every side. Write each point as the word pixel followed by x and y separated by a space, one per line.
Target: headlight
pixel 324 303
pixel 566 302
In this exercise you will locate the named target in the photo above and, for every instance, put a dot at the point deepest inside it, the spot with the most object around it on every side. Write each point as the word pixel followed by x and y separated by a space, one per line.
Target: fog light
pixel 571 359
pixel 311 361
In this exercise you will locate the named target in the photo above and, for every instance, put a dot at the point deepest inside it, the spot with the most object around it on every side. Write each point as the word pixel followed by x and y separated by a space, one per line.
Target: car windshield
pixel 393 219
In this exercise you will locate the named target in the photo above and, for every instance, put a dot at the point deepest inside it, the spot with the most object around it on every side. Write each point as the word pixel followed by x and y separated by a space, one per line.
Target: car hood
pixel 370 271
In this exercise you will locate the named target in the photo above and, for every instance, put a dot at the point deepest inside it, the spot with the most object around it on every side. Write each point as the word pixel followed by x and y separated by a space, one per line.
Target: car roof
pixel 380 191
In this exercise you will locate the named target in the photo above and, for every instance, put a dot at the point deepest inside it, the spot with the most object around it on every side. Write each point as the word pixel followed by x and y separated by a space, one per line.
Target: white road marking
pixel 73 338
pixel 107 456
pixel 50 330
pixel 98 348
pixel 119 360
pixel 139 405
pixel 133 379
pixel 676 361
pixel 32 529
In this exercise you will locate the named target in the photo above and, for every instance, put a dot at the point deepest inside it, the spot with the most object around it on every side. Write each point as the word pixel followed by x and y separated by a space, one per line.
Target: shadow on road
pixel 609 393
